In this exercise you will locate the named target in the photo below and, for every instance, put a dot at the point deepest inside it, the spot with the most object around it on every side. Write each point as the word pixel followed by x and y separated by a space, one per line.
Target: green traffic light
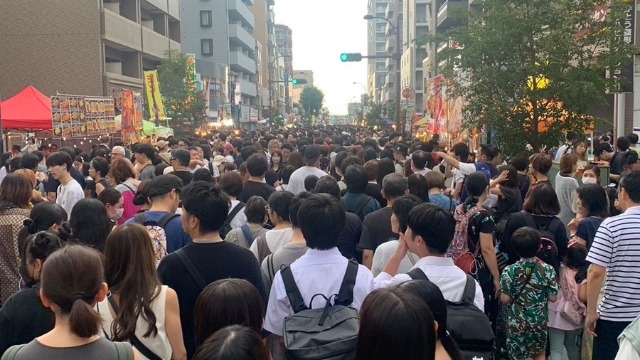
pixel 344 57
pixel 294 81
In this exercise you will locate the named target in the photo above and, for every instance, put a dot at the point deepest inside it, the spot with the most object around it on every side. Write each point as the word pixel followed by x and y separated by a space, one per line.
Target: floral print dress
pixel 529 283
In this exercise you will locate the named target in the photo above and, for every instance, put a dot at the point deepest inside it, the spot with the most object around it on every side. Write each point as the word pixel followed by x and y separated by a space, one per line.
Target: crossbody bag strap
pixel 525 284
pixel 293 293
pixel 469 293
pixel 345 295
pixel 362 204
pixel 192 270
pixel 133 338
pixel 418 274
pixel 246 231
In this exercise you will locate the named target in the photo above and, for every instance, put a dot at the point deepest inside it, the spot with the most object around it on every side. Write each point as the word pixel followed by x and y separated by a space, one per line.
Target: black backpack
pixel 548 252
pixel 226 226
pixel 468 325
pixel 359 207
pixel 329 333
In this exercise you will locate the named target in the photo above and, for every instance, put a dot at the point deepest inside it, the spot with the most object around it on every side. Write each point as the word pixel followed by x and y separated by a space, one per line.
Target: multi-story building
pixel 297 89
pixel 260 10
pixel 377 38
pixel 284 43
pixel 415 27
pixel 393 12
pixel 220 38
pixel 87 48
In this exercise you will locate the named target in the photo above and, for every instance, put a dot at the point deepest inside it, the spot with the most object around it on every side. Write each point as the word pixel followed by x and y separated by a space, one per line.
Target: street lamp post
pixel 397 57
pixel 286 88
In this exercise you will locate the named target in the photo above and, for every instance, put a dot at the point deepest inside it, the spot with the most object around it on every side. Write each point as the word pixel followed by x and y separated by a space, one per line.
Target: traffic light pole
pixel 287 109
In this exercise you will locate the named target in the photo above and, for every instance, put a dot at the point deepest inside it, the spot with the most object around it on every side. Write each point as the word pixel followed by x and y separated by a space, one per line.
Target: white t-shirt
pixel 383 254
pixel 240 218
pixel 296 182
pixel 275 240
pixel 68 195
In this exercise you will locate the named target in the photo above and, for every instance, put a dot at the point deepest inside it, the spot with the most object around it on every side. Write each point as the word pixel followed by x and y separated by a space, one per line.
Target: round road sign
pixel 408 93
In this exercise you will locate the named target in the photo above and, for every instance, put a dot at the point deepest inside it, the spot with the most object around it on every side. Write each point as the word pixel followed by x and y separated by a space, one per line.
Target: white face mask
pixel 118 214
pixel 589 181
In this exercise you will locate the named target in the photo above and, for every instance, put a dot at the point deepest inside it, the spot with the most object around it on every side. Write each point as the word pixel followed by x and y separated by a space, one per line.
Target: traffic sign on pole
pixel 408 97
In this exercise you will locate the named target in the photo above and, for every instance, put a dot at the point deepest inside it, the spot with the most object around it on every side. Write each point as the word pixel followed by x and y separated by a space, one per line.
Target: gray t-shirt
pixel 566 190
pixel 284 256
pixel 147 173
pixel 101 349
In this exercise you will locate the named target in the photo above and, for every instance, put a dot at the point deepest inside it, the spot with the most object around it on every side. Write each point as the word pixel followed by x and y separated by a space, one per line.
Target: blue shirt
pixel 352 201
pixel 443 201
pixel 176 237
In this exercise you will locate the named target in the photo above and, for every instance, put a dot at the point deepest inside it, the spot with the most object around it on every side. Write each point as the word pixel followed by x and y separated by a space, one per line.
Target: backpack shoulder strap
pixel 528 218
pixel 246 232
pixel 554 225
pixel 184 259
pixel 270 267
pixel 166 218
pixel 418 274
pixel 469 294
pixel 235 211
pixel 345 295
pixel 140 218
pixel 11 353
pixel 362 204
pixel 293 293
pixel 124 350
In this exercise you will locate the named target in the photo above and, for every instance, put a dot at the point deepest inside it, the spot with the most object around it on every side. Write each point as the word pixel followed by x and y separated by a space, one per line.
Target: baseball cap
pixel 219 159
pixel 163 184
pixel 311 154
pixel 402 148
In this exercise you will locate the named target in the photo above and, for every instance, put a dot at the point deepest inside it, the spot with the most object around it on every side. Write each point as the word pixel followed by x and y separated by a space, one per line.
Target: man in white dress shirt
pixel 430 229
pixel 321 269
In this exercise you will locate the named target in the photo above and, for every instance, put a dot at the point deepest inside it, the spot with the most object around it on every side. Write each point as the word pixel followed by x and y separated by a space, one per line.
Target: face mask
pixel 589 181
pixel 118 214
pixel 276 159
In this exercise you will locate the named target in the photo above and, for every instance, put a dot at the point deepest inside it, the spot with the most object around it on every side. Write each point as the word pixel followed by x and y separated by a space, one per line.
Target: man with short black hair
pixel 164 192
pixel 205 207
pixel 69 192
pixel 484 165
pixel 376 227
pixel 633 142
pixel 400 154
pixel 355 200
pixel 614 253
pixel 257 167
pixel 145 156
pixel 321 269
pixel 311 159
pixel 180 159
pixel 430 230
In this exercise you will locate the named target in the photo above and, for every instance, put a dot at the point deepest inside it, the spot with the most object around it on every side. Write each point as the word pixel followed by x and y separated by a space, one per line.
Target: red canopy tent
pixel 28 110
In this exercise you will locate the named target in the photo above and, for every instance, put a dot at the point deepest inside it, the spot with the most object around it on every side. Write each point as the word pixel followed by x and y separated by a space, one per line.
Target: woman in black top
pixel 506 187
pixel 23 317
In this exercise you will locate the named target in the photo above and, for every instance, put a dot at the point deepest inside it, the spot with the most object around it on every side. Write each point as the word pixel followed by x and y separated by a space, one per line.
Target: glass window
pixel 206 46
pixel 205 18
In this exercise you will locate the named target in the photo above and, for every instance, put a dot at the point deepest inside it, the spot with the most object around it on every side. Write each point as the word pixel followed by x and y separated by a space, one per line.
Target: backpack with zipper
pixel 156 232
pixel 329 333
pixel 459 248
pixel 226 226
pixel 548 252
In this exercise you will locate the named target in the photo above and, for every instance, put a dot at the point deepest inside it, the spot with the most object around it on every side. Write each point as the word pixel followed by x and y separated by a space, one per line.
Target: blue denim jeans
pixel 561 339
pixel 605 345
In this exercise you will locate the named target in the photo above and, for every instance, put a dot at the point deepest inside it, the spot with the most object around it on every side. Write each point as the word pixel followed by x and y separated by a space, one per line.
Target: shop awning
pixel 28 110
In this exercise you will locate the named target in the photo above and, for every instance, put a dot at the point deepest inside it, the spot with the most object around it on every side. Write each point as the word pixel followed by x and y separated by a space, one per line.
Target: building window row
pixel 206 19
pixel 206 46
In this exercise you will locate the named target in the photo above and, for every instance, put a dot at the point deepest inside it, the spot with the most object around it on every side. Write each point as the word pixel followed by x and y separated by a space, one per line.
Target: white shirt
pixel 316 272
pixel 240 218
pixel 296 182
pixel 383 254
pixel 275 240
pixel 68 195
pixel 627 351
pixel 422 172
pixel 440 271
pixel 158 344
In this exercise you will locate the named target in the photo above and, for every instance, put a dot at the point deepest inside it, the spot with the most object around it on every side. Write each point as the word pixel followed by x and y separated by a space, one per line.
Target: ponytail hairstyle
pixel 73 279
pixel 432 296
pixel 42 217
pixel 476 184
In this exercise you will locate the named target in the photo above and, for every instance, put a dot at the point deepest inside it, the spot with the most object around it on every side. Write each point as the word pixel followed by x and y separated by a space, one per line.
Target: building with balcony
pixel 387 88
pixel 377 44
pixel 415 27
pixel 219 38
pixel 284 44
pixel 260 10
pixel 91 48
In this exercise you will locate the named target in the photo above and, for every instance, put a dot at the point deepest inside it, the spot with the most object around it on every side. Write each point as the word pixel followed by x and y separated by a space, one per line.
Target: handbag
pixel 572 312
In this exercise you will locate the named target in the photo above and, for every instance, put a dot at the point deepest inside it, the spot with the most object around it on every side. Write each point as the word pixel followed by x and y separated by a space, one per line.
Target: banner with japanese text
pixel 154 98
pixel 128 110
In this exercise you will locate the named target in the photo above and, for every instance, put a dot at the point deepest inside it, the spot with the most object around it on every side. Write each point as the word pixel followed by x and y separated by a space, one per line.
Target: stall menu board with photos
pixel 76 116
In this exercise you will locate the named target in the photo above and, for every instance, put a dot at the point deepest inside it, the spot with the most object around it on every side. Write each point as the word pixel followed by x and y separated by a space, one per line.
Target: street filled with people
pixel 320 243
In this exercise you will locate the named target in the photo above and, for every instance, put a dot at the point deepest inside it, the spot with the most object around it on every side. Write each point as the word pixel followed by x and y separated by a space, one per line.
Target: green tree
pixel 374 116
pixel 311 100
pixel 183 102
pixel 530 69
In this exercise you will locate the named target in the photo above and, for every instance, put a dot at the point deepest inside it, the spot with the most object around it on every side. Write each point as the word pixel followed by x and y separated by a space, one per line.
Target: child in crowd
pixel 566 316
pixel 527 286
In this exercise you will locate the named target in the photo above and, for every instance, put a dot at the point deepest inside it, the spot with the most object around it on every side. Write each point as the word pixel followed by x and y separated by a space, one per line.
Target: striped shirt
pixel 616 247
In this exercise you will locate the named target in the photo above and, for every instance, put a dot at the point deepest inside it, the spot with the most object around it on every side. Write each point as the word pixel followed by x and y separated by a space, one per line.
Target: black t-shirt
pixel 350 236
pixel 271 177
pixel 185 176
pixel 508 204
pixel 376 229
pixel 617 163
pixel 481 222
pixel 588 228
pixel 517 220
pixel 252 188
pixel 374 190
pixel 213 261
pixel 525 182
pixel 23 318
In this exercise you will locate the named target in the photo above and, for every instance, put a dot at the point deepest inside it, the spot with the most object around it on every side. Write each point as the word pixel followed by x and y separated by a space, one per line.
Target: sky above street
pixel 321 31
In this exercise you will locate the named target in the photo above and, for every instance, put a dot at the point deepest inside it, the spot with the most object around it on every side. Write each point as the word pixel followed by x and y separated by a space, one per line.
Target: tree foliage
pixel 529 69
pixel 183 102
pixel 311 100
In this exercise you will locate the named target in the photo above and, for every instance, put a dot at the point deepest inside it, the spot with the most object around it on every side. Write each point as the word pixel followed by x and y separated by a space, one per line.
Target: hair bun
pixel 31 226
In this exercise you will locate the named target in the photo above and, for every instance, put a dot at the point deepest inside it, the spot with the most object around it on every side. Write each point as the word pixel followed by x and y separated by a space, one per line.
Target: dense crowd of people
pixel 319 244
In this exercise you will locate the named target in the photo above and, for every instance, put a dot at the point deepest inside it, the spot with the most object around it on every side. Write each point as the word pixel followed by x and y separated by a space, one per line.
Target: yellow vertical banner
pixel 154 98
